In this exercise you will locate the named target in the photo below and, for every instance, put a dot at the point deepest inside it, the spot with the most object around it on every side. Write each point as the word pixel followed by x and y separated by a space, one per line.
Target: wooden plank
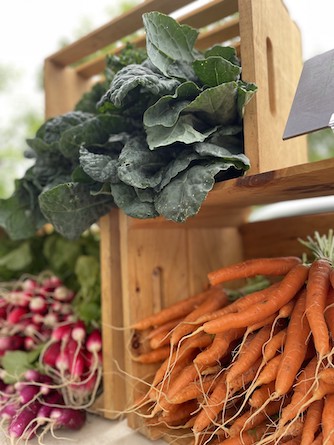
pixel 112 315
pixel 209 217
pixel 63 88
pixel 280 236
pixel 219 34
pixel 228 204
pixel 301 181
pixel 209 13
pixel 154 274
pixel 274 63
pixel 209 249
pixel 114 30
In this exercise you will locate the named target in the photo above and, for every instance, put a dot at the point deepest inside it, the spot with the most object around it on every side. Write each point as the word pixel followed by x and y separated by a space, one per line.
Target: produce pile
pixel 152 139
pixel 50 360
pixel 258 370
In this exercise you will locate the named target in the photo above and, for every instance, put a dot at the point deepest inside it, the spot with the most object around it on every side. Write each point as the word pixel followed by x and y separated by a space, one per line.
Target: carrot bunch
pixel 256 370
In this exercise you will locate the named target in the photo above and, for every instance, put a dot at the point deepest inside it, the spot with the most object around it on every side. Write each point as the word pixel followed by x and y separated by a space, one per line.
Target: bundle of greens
pixel 152 139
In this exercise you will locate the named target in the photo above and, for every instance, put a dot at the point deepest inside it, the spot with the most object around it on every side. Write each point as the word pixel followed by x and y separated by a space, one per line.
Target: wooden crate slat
pixel 219 34
pixel 63 88
pixel 280 236
pixel 271 57
pixel 112 315
pixel 209 13
pixel 114 30
pixel 300 181
pixel 227 205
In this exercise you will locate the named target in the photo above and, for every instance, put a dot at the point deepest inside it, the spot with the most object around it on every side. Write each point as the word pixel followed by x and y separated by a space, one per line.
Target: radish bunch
pixel 32 407
pixel 36 317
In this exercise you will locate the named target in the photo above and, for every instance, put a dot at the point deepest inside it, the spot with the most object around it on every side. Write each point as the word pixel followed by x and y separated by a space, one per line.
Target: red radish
pixel 8 411
pixel 22 424
pixel 31 329
pixel 29 284
pixel 93 359
pixel 62 332
pixel 27 393
pixel 16 315
pixel 94 341
pixel 37 318
pixel 3 313
pixel 50 319
pixel 69 418
pixel 62 362
pixel 38 305
pixel 29 343
pixel 50 284
pixel 11 343
pixel 77 365
pixel 53 399
pixel 32 375
pixel 62 293
pixel 49 356
pixel 79 331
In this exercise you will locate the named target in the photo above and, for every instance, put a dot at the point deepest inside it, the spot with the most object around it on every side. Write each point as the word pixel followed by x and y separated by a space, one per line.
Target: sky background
pixel 32 30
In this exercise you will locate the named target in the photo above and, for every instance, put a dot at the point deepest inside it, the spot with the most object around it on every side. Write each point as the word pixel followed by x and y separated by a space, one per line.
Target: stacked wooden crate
pixel 148 264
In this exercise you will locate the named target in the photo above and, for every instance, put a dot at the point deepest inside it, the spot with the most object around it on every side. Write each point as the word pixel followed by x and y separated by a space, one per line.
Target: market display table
pixel 97 431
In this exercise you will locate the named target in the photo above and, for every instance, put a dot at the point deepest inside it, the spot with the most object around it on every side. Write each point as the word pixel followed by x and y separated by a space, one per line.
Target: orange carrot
pixel 195 389
pixel 317 291
pixel 269 372
pixel 274 345
pixel 248 420
pixel 176 310
pixel 179 414
pixel 216 299
pixel 327 375
pixel 161 335
pixel 249 355
pixel 312 422
pixel 241 381
pixel 215 403
pixel 331 277
pixel 154 356
pixel 249 437
pixel 327 420
pixel 218 348
pixel 318 440
pixel 301 394
pixel 260 395
pixel 163 328
pixel 293 441
pixel 188 374
pixel 287 309
pixel 287 289
pixel 216 400
pixel 260 324
pixel 295 348
pixel 240 304
pixel 250 268
pixel 181 355
pixel 329 312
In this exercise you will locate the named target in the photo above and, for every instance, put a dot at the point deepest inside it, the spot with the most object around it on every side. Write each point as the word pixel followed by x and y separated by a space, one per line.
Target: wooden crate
pixel 147 264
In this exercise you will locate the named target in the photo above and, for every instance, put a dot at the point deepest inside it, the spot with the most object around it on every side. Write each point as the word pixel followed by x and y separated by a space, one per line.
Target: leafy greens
pixel 152 139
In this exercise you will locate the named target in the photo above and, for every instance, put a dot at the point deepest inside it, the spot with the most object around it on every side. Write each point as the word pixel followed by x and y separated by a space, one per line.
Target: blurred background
pixel 31 31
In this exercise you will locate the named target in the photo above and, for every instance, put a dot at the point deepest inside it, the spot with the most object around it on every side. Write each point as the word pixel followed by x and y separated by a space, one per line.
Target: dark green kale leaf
pixel 184 195
pixel 72 208
pixel 127 199
pixel 170 45
pixel 137 79
pixel 20 215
